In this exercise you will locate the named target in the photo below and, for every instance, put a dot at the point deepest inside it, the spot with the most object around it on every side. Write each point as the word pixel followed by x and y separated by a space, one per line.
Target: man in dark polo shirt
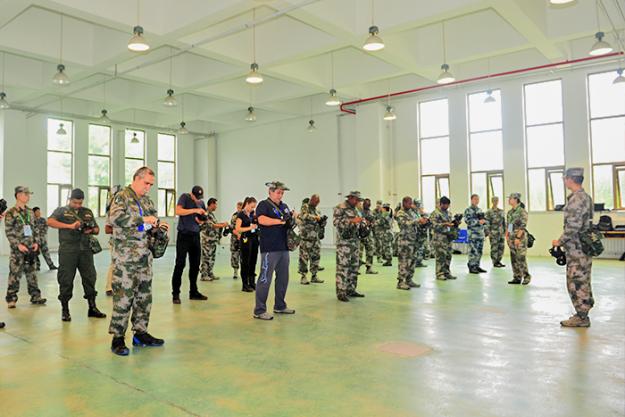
pixel 273 216
pixel 76 224
pixel 190 205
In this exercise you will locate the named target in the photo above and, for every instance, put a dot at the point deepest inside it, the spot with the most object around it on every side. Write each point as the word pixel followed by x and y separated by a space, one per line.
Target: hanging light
pixel 137 42
pixel 61 130
pixel 600 47
pixel 389 114
pixel 311 126
pixel 170 100
pixel 618 80
pixel 104 116
pixel 489 97
pixel 4 104
pixel 373 42
pixel 251 115
pixel 332 100
pixel 445 76
pixel 560 2
pixel 60 78
pixel 135 139
pixel 183 130
pixel 254 77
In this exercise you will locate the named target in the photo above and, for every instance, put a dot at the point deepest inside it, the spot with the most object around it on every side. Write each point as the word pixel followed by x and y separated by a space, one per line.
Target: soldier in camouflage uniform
pixel 409 222
pixel 516 236
pixel 132 215
pixel 578 214
pixel 346 221
pixel 442 236
pixel 310 244
pixel 475 220
pixel 367 244
pixel 421 251
pixel 24 242
pixel 210 234
pixel 42 228
pixel 2 324
pixel 377 233
pixel 235 248
pixel 496 227
pixel 383 230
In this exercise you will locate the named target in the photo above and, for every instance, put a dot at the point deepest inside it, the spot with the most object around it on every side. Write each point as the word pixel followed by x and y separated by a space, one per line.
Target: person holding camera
pixel 310 245
pixel 516 236
pixel 42 228
pixel 210 234
pixel 383 232
pixel 443 231
pixel 23 239
pixel 190 208
pixel 476 224
pixel 76 225
pixel 274 219
pixel 496 227
pixel 133 216
pixel 2 210
pixel 235 250
pixel 367 241
pixel 422 234
pixel 347 220
pixel 246 226
pixel 409 222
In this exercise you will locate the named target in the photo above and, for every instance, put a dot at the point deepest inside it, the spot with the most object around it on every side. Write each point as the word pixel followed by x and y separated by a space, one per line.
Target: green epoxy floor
pixel 496 350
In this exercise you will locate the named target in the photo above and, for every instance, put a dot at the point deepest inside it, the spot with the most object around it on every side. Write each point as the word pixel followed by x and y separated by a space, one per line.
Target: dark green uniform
pixel 74 253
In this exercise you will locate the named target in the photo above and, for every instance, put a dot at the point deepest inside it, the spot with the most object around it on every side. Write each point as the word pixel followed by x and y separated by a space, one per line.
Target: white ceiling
pixel 295 40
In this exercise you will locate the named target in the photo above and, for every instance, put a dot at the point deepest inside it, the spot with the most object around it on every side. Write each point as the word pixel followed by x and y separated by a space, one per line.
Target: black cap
pixel 198 192
pixel 77 194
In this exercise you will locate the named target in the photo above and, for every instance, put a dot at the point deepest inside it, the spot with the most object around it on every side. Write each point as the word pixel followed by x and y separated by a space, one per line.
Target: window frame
pixel 100 210
pixel 61 186
pixel 170 193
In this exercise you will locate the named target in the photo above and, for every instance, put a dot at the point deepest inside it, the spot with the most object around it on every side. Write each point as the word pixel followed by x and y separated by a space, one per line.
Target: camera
pixel 3 206
pixel 202 217
pixel 363 230
pixel 227 231
pixel 289 221
pixel 323 221
pixel 89 224
pixel 457 220
pixel 559 254
pixel 480 216
pixel 30 257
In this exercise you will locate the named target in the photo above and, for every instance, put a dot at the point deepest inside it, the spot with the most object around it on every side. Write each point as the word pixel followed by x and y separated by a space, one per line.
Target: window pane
pixel 166 147
pixel 557 188
pixel 621 186
pixel 53 198
pixel 486 151
pixel 434 118
pixel 497 188
pixel 99 170
pixel 135 150
pixel 92 201
pixel 171 203
pixel 131 166
pixel 104 196
pixel 428 193
pixel 484 116
pixel 165 174
pixel 99 140
pixel 435 156
pixel 606 99
pixel 443 187
pixel 59 168
pixel 603 185
pixel 161 203
pixel 537 192
pixel 545 146
pixel 60 142
pixel 478 182
pixel 608 139
pixel 543 102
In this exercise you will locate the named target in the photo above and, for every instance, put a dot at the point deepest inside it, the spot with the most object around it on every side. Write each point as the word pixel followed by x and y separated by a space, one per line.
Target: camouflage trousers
pixel 17 267
pixel 476 248
pixel 347 261
pixel 407 259
pixel 394 244
pixel 45 252
pixel 442 252
pixel 377 244
pixel 518 258
pixel 235 254
pixel 420 249
pixel 132 290
pixel 309 254
pixel 209 250
pixel 497 245
pixel 386 246
pixel 578 269
pixel 367 247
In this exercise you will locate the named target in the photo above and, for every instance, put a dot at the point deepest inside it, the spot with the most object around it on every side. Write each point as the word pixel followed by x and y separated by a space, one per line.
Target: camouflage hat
pixel 379 202
pixel 22 189
pixel 277 185
pixel 515 195
pixel 158 242
pixel 574 172
pixel 354 194
pixel 386 205
pixel 417 202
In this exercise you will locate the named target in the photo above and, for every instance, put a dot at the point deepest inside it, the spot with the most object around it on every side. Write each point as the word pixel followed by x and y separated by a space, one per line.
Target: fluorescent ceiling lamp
pixel 373 42
pixel 60 78
pixel 332 100
pixel 254 77
pixel 559 2
pixel 600 47
pixel 138 43
pixel 389 114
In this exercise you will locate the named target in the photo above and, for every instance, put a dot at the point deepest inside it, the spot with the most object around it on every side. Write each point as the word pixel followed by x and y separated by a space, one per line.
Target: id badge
pixel 510 228
pixel 28 231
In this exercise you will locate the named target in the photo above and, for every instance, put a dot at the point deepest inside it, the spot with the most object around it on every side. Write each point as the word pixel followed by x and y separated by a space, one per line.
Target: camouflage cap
pixel 417 202
pixel 22 189
pixel 515 195
pixel 277 185
pixel 354 194
pixel 574 172
pixel 379 202
pixel 386 205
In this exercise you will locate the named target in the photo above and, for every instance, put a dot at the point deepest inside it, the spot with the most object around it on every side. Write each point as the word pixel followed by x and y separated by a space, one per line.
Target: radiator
pixel 613 248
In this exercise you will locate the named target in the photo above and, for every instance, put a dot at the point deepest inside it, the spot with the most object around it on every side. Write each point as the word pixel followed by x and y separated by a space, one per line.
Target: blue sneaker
pixel 118 347
pixel 146 339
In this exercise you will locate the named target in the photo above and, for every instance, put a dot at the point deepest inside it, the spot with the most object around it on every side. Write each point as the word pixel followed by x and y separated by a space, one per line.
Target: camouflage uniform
pixel 367 244
pixel 496 226
pixel 310 245
pixel 347 249
pixel 408 221
pixel 578 214
pixel 17 222
pixel 441 242
pixel 517 223
pixel 382 230
pixel 421 250
pixel 235 250
pixel 42 229
pixel 209 237
pixel 132 273
pixel 476 235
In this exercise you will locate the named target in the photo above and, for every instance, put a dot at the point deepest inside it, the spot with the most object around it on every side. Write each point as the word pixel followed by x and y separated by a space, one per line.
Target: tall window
pixel 166 170
pixel 134 152
pixel 99 168
pixel 486 146
pixel 434 151
pixel 607 132
pixel 60 168
pixel 544 133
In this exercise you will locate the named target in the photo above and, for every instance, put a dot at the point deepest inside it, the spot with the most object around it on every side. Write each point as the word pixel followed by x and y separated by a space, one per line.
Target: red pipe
pixel 479 78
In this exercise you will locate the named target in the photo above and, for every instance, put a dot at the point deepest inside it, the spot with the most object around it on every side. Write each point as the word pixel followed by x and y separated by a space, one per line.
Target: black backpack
pixel 605 224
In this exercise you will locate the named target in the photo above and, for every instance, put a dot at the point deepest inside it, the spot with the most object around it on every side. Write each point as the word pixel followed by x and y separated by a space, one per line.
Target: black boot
pixel 65 311
pixel 93 310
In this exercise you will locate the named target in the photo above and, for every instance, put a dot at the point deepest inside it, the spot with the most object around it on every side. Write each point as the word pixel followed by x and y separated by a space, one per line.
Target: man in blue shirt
pixel 274 218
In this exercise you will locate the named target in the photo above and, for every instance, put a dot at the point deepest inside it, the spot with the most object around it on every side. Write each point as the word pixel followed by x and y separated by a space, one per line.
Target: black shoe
pixel 421 265
pixel 514 282
pixel 54 268
pixel 65 316
pixel 93 310
pixel 370 271
pixel 356 294
pixel 499 265
pixel 342 297
pixel 473 271
pixel 198 296
pixel 146 339
pixel 387 263
pixel 175 300
pixel 118 346
pixel 481 270
pixel 109 293
pixel 247 289
pixel 321 268
pixel 38 301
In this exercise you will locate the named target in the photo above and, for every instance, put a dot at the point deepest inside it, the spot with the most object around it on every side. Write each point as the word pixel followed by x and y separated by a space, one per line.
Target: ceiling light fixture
pixel 445 76
pixel 135 139
pixel 137 42
pixel 170 100
pixel 4 104
pixel 60 78
pixel 104 117
pixel 254 77
pixel 311 123
pixel 332 99
pixel 389 114
pixel 183 130
pixel 619 78
pixel 600 47
pixel 251 115
pixel 560 2
pixel 373 42
pixel 61 130
pixel 489 97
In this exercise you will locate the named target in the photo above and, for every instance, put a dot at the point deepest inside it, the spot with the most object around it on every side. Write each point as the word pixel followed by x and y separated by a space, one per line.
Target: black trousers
pixel 249 255
pixel 186 243
pixel 69 262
